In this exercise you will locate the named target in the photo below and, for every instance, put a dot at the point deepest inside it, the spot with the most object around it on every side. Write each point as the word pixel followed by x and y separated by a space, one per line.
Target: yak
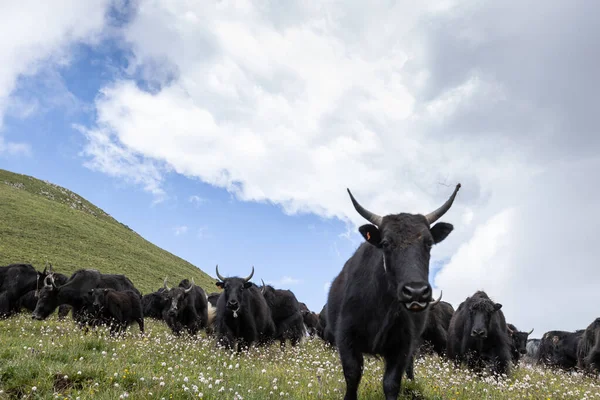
pixel 379 302
pixel 75 292
pixel 322 326
pixel 558 349
pixel 186 307
pixel 533 349
pixel 311 322
pixel 588 350
pixel 435 335
pixel 478 336
pixel 518 345
pixel 118 309
pixel 153 304
pixel 286 315
pixel 243 314
pixel 16 280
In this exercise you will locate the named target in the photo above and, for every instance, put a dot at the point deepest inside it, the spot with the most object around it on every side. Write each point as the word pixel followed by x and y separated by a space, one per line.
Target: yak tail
pixel 212 313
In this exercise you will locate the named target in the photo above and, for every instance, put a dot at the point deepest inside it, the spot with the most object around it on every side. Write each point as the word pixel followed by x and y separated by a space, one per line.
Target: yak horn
pixel 437 214
pixel 366 214
pixel 191 286
pixel 165 284
pixel 434 302
pixel 219 275
pixel 250 276
pixel 262 289
pixel 530 332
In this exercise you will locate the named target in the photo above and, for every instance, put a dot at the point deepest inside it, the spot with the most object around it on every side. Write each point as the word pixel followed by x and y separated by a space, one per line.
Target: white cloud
pixel 399 103
pixel 180 230
pixel 284 282
pixel 38 36
pixel 13 148
pixel 197 200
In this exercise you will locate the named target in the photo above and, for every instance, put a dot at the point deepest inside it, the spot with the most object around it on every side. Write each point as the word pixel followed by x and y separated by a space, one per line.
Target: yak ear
pixel 371 234
pixel 219 284
pixel 247 285
pixel 440 231
pixel 497 306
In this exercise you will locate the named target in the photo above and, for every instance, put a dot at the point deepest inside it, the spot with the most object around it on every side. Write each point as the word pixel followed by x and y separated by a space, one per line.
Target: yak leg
pixel 140 322
pixel 392 378
pixel 410 369
pixel 352 364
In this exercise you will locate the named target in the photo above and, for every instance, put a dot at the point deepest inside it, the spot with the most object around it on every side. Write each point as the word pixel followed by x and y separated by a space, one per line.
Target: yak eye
pixel 385 244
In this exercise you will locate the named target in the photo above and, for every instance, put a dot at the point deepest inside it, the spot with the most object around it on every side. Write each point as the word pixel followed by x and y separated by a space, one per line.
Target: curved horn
pixel 530 332
pixel 435 215
pixel 366 214
pixel 45 269
pixel 509 330
pixel 434 302
pixel 250 276
pixel 262 289
pixel 51 276
pixel 219 275
pixel 191 286
pixel 165 284
pixel 46 283
pixel 50 269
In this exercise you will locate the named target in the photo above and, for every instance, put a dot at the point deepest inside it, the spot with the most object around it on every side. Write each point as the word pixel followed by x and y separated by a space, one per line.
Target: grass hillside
pixel 43 222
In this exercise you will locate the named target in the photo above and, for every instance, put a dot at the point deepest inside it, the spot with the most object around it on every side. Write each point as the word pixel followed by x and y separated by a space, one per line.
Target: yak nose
pixel 417 291
pixel 478 332
pixel 232 303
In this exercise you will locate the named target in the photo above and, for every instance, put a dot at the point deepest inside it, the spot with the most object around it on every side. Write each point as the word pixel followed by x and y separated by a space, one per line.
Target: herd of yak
pixel 379 304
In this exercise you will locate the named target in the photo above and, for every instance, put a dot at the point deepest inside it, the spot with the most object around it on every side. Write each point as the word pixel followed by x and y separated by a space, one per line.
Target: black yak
pixel 75 292
pixel 118 309
pixel 378 303
pixel 242 314
pixel 558 349
pixel 435 335
pixel 518 346
pixel 478 335
pixel 588 350
pixel 286 315
pixel 186 307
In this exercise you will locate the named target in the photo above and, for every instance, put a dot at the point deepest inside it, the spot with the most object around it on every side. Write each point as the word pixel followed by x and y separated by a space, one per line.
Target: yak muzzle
pixel 417 296
pixel 479 333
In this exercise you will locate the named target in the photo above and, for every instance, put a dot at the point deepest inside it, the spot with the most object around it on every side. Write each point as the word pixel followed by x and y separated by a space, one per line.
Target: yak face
pixel 481 312
pixel 47 299
pixel 404 242
pixel 233 291
pixel 518 338
pixel 176 297
pixel 97 297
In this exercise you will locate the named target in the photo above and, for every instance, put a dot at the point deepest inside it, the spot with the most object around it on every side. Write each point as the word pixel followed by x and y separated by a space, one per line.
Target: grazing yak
pixel 518 345
pixel 378 303
pixel 435 335
pixel 322 327
pixel 533 350
pixel 75 292
pixel 558 349
pixel 186 307
pixel 243 314
pixel 118 309
pixel 153 304
pixel 16 280
pixel 478 335
pixel 588 350
pixel 286 315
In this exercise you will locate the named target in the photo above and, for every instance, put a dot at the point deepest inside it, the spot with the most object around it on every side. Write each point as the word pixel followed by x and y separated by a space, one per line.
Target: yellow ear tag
pixel 368 236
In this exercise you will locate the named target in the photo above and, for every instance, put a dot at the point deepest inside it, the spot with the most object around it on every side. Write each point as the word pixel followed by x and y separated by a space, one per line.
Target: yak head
pixel 233 291
pixel 47 298
pixel 481 312
pixel 97 297
pixel 519 338
pixel 177 297
pixel 404 242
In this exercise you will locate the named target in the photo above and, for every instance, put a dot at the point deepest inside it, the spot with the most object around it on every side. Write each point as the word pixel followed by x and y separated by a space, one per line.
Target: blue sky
pixel 266 115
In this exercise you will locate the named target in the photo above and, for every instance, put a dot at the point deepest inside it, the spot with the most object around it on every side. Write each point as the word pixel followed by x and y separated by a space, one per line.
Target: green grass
pixel 43 222
pixel 54 359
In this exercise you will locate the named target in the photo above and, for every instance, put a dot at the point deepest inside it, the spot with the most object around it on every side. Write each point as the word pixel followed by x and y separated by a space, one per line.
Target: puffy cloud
pixel 398 102
pixel 36 37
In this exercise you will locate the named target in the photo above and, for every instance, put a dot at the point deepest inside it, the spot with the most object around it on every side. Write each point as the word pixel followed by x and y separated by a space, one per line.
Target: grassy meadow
pixel 55 360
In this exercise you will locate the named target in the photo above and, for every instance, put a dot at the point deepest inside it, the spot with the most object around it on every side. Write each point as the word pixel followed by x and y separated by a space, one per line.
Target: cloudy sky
pixel 227 132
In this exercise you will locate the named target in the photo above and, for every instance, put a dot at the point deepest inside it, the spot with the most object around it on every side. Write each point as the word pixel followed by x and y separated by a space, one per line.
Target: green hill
pixel 40 222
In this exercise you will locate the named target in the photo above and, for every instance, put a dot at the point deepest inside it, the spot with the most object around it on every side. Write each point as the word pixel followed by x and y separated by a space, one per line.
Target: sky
pixel 227 132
